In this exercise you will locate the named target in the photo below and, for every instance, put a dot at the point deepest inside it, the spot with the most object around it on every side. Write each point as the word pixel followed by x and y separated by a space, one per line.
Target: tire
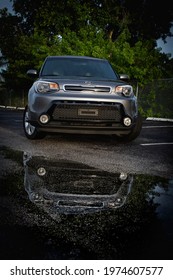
pixel 135 132
pixel 31 131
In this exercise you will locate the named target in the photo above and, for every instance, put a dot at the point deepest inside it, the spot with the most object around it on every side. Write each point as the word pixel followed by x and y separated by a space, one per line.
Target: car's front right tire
pixel 31 131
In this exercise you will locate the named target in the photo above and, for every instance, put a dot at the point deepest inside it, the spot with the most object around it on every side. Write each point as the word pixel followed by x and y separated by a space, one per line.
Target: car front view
pixel 84 95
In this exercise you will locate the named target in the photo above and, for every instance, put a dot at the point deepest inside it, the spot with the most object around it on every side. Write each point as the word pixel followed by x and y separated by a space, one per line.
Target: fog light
pixel 41 171
pixel 117 203
pixel 44 119
pixel 123 176
pixel 127 121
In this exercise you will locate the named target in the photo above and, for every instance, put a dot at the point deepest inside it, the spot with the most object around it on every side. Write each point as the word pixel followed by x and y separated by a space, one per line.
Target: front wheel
pixel 31 131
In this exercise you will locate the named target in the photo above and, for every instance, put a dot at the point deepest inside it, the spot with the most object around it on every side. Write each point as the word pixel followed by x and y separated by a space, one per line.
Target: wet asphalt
pixel 76 197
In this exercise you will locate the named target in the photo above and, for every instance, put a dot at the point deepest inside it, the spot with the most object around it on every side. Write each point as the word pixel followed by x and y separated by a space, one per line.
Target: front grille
pixel 63 112
pixel 86 88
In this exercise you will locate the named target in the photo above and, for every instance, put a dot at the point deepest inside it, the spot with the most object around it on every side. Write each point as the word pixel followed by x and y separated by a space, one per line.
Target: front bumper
pixel 84 115
pixel 84 129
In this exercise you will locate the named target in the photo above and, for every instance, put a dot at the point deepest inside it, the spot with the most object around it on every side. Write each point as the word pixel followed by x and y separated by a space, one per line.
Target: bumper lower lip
pixel 98 127
pixel 86 130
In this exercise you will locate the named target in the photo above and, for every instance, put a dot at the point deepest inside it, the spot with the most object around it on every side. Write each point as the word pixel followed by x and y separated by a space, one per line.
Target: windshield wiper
pixel 56 75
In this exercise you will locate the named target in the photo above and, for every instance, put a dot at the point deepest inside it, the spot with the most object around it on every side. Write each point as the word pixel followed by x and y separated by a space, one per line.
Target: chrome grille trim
pixel 86 88
pixel 68 203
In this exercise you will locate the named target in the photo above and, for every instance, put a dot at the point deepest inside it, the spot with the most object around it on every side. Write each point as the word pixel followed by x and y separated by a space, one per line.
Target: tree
pixel 9 33
pixel 142 18
pixel 117 30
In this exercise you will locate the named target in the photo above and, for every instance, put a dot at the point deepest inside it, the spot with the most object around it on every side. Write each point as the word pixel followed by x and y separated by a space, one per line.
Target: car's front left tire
pixel 31 131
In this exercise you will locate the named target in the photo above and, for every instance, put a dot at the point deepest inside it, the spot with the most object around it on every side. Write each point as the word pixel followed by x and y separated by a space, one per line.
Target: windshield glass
pixel 78 67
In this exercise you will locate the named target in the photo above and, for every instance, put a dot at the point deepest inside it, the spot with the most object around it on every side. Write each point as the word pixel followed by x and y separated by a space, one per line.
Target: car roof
pixel 75 56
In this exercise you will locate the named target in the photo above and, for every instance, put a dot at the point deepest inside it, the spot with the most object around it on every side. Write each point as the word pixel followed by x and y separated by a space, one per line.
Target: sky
pixel 6 3
pixel 166 48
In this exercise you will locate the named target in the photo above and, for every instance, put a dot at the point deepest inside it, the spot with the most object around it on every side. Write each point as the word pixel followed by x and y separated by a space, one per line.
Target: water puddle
pixel 68 210
pixel 72 188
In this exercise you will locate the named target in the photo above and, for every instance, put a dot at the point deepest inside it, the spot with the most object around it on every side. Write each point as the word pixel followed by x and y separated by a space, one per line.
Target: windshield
pixel 67 67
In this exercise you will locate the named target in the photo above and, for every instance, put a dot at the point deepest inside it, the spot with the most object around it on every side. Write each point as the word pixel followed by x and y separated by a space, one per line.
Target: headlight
pixel 126 90
pixel 44 87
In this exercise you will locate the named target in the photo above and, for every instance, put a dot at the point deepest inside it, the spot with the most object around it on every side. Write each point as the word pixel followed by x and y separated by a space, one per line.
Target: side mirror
pixel 32 73
pixel 124 77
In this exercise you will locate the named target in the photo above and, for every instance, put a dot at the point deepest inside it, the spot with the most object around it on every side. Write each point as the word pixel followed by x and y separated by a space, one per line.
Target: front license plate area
pixel 88 112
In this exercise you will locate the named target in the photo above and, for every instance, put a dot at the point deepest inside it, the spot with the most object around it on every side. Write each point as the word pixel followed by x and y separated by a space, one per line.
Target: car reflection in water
pixel 69 188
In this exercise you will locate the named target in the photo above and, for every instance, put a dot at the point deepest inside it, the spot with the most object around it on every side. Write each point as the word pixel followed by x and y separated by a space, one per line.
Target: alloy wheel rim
pixel 28 127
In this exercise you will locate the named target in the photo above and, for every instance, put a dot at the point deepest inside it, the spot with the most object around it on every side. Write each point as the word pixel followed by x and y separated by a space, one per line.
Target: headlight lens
pixel 125 90
pixel 44 87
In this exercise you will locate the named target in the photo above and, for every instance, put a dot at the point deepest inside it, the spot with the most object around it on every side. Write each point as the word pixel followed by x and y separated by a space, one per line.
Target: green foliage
pixel 156 99
pixel 105 29
pixel 144 21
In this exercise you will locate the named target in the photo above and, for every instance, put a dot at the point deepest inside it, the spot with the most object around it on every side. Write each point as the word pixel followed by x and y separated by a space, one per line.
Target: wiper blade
pixel 56 75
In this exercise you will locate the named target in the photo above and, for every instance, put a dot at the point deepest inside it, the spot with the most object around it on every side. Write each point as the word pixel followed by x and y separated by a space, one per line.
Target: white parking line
pixel 156 144
pixel 158 126
pixel 159 119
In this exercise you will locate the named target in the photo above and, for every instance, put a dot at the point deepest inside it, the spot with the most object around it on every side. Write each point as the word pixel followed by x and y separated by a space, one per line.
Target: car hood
pixel 82 81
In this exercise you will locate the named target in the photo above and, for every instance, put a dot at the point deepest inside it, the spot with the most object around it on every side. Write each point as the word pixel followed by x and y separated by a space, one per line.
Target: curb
pixel 11 107
pixel 159 119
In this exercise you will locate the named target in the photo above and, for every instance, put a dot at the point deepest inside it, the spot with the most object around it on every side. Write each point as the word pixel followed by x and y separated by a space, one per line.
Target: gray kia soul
pixel 76 94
